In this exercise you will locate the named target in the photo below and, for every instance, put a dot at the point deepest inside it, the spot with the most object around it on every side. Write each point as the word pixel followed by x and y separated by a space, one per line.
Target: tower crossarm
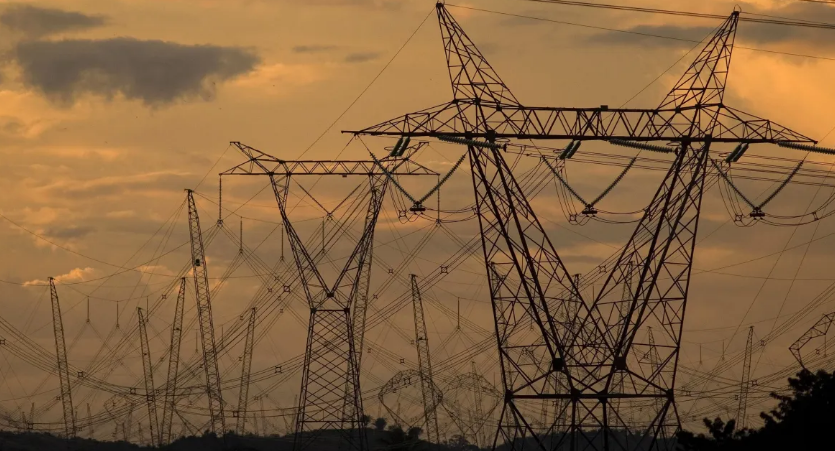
pixel 599 123
pixel 260 163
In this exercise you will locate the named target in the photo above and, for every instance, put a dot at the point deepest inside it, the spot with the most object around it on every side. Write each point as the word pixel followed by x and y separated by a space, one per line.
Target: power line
pixel 367 87
pixel 637 33
pixel 671 12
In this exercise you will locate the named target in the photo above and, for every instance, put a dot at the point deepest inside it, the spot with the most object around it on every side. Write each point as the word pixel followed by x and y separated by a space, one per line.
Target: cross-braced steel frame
pixel 330 397
pixel 586 355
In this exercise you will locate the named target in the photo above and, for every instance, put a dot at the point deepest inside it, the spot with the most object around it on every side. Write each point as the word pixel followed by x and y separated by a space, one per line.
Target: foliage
pixel 801 420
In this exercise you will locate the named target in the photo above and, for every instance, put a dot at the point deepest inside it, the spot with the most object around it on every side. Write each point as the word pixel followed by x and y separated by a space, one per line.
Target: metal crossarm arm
pixel 601 123
pixel 260 163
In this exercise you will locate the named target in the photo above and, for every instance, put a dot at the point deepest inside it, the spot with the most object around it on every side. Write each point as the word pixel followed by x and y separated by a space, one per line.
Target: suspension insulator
pixel 569 150
pixel 403 147
pixel 471 142
pixel 733 153
pixel 574 149
pixel 741 152
pixel 807 147
pixel 640 145
pixel 396 147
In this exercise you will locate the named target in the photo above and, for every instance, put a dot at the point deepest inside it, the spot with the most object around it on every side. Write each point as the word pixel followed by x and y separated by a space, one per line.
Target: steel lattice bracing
pixel 595 366
pixel 63 365
pixel 330 393
pixel 204 315
pixel 361 301
pixel 427 382
pixel 246 367
pixel 745 383
pixel 173 366
pixel 148 370
pixel 819 329
pixel 529 286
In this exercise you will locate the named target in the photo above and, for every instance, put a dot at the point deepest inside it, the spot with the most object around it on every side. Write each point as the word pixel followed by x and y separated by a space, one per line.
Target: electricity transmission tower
pixel 596 369
pixel 63 365
pixel 204 316
pixel 745 383
pixel 246 366
pixel 330 396
pixel 819 329
pixel 148 369
pixel 427 383
pixel 173 366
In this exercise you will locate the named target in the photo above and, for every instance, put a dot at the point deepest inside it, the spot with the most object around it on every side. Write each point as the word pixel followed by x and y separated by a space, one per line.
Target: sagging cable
pixel 471 142
pixel 807 147
pixel 418 205
pixel 391 177
pixel 757 213
pixel 641 145
pixel 589 206
pixel 728 180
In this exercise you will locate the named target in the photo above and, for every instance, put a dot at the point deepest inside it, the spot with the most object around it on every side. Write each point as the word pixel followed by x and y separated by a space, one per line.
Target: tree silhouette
pixel 380 424
pixel 801 420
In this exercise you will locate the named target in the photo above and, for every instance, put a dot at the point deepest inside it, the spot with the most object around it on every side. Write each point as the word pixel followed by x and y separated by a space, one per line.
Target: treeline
pixel 804 419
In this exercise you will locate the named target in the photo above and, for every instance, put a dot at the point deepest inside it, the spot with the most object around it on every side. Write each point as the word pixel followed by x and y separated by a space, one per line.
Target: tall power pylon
pixel 173 366
pixel 148 369
pixel 330 396
pixel 427 382
pixel 246 366
pixel 204 316
pixel 63 364
pixel 529 283
pixel 745 383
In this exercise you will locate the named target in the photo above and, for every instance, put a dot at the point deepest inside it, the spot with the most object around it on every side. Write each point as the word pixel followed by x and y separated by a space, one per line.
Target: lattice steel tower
pixel 330 395
pixel 204 316
pixel 594 369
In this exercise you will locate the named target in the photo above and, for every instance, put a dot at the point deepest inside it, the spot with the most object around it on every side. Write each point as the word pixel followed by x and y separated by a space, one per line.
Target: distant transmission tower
pixel 246 367
pixel 204 316
pixel 173 366
pixel 427 383
pixel 330 396
pixel 63 365
pixel 745 383
pixel 148 368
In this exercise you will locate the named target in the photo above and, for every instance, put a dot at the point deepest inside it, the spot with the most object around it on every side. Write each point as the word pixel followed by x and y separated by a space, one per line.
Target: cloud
pixel 279 78
pixel 65 233
pixel 361 57
pixel 154 72
pixel 118 185
pixel 748 33
pixel 313 48
pixel 34 22
pixel 75 275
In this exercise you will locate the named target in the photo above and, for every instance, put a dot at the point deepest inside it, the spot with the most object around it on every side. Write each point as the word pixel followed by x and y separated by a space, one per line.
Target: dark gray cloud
pixel 69 232
pixel 313 48
pixel 153 72
pixel 361 57
pixel 654 36
pixel 34 22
